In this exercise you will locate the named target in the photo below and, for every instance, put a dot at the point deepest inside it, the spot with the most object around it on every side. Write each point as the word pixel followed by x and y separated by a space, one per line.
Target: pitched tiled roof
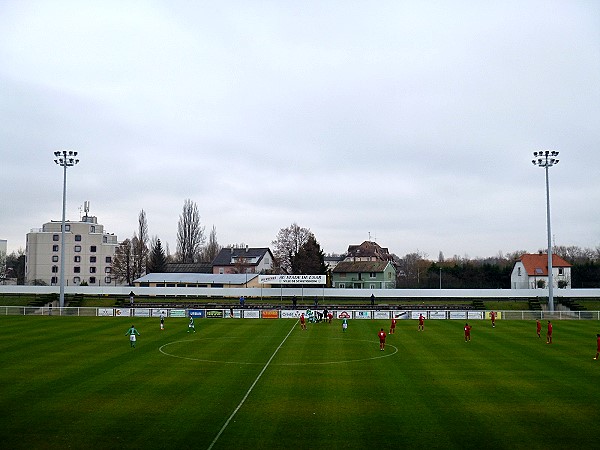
pixel 228 255
pixel 368 249
pixel 188 268
pixel 360 266
pixel 537 264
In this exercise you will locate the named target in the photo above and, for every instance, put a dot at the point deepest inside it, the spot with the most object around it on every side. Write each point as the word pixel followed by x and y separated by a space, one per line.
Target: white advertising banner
pixel 380 315
pixel 475 314
pixel 415 314
pixel 458 314
pixel 156 312
pixel 122 312
pixel 343 314
pixel 106 312
pixel 141 312
pixel 362 314
pixel 251 314
pixel 437 314
pixel 398 315
pixel 292 279
pixel 178 313
pixel 290 313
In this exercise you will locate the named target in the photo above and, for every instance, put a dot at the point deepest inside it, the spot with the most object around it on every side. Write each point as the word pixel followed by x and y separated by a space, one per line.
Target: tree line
pixel 296 251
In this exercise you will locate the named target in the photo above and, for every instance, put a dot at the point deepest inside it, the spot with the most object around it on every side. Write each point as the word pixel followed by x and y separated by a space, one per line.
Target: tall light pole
pixel 546 159
pixel 64 158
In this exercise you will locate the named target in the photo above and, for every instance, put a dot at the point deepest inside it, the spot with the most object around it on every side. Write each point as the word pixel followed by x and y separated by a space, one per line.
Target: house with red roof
pixel 531 272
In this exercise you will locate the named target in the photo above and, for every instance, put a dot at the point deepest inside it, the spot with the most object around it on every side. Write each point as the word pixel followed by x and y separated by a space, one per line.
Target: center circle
pixel 168 350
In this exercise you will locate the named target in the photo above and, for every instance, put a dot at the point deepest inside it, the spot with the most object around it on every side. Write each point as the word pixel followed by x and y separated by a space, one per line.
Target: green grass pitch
pixel 70 382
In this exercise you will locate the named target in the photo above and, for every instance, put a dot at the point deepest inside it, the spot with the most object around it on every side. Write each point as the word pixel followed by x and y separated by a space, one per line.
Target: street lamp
pixel 546 159
pixel 64 158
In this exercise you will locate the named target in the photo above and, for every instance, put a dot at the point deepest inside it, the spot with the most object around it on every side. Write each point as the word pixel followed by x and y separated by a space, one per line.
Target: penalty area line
pixel 249 390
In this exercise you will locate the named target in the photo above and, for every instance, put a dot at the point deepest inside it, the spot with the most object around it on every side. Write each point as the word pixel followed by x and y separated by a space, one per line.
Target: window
pixel 67 227
pixel 92 270
pixel 77 238
pixel 107 270
pixel 372 286
pixel 561 271
pixel 92 259
pixel 343 275
pixel 76 280
pixel 53 280
pixel 342 285
pixel 372 275
pixel 92 280
pixel 92 229
pixel 221 270
pixel 55 237
pixel 78 248
pixel 76 269
pixel 104 239
pixel 93 248
pixel 108 260
pixel 518 271
pixel 55 258
pixel 107 280
pixel 54 269
pixel 77 259
pixel 55 248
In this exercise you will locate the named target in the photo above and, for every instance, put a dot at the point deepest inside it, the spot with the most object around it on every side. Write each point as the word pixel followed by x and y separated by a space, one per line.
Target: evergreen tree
pixel 310 259
pixel 157 261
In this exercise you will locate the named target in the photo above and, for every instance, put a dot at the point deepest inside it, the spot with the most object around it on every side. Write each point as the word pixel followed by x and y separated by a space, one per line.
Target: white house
pixel 531 271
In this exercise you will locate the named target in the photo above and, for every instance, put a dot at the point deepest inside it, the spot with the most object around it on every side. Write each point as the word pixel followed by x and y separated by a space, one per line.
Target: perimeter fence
pixel 336 313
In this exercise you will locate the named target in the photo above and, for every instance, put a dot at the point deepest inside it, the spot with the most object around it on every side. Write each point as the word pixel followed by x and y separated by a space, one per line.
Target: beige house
pixel 89 252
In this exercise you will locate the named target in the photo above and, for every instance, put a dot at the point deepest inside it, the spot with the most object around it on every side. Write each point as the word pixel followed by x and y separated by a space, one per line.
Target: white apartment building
pixel 89 252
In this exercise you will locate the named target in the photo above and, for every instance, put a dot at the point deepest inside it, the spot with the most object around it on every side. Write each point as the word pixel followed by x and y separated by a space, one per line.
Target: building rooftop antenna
pixel 86 208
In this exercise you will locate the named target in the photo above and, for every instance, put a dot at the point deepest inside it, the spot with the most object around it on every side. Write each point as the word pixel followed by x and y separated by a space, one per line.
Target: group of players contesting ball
pixel 382 335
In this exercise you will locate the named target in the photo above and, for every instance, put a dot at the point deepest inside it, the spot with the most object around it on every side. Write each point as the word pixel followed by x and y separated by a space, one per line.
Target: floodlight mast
pixel 546 159
pixel 64 158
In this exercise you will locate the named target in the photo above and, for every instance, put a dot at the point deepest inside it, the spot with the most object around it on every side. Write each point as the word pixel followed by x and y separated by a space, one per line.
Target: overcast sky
pixel 412 122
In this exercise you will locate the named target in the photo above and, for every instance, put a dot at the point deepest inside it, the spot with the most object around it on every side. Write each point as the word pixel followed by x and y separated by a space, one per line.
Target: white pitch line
pixel 250 389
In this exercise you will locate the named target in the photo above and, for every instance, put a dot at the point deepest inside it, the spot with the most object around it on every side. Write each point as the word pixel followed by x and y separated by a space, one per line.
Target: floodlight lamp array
pixel 66 158
pixel 545 158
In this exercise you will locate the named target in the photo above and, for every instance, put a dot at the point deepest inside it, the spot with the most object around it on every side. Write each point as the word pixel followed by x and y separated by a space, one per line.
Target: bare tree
pixel 123 262
pixel 411 268
pixel 212 248
pixel 2 266
pixel 140 246
pixel 287 245
pixel 190 234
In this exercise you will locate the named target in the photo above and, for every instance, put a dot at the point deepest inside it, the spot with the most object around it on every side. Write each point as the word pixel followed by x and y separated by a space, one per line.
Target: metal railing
pixel 429 314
